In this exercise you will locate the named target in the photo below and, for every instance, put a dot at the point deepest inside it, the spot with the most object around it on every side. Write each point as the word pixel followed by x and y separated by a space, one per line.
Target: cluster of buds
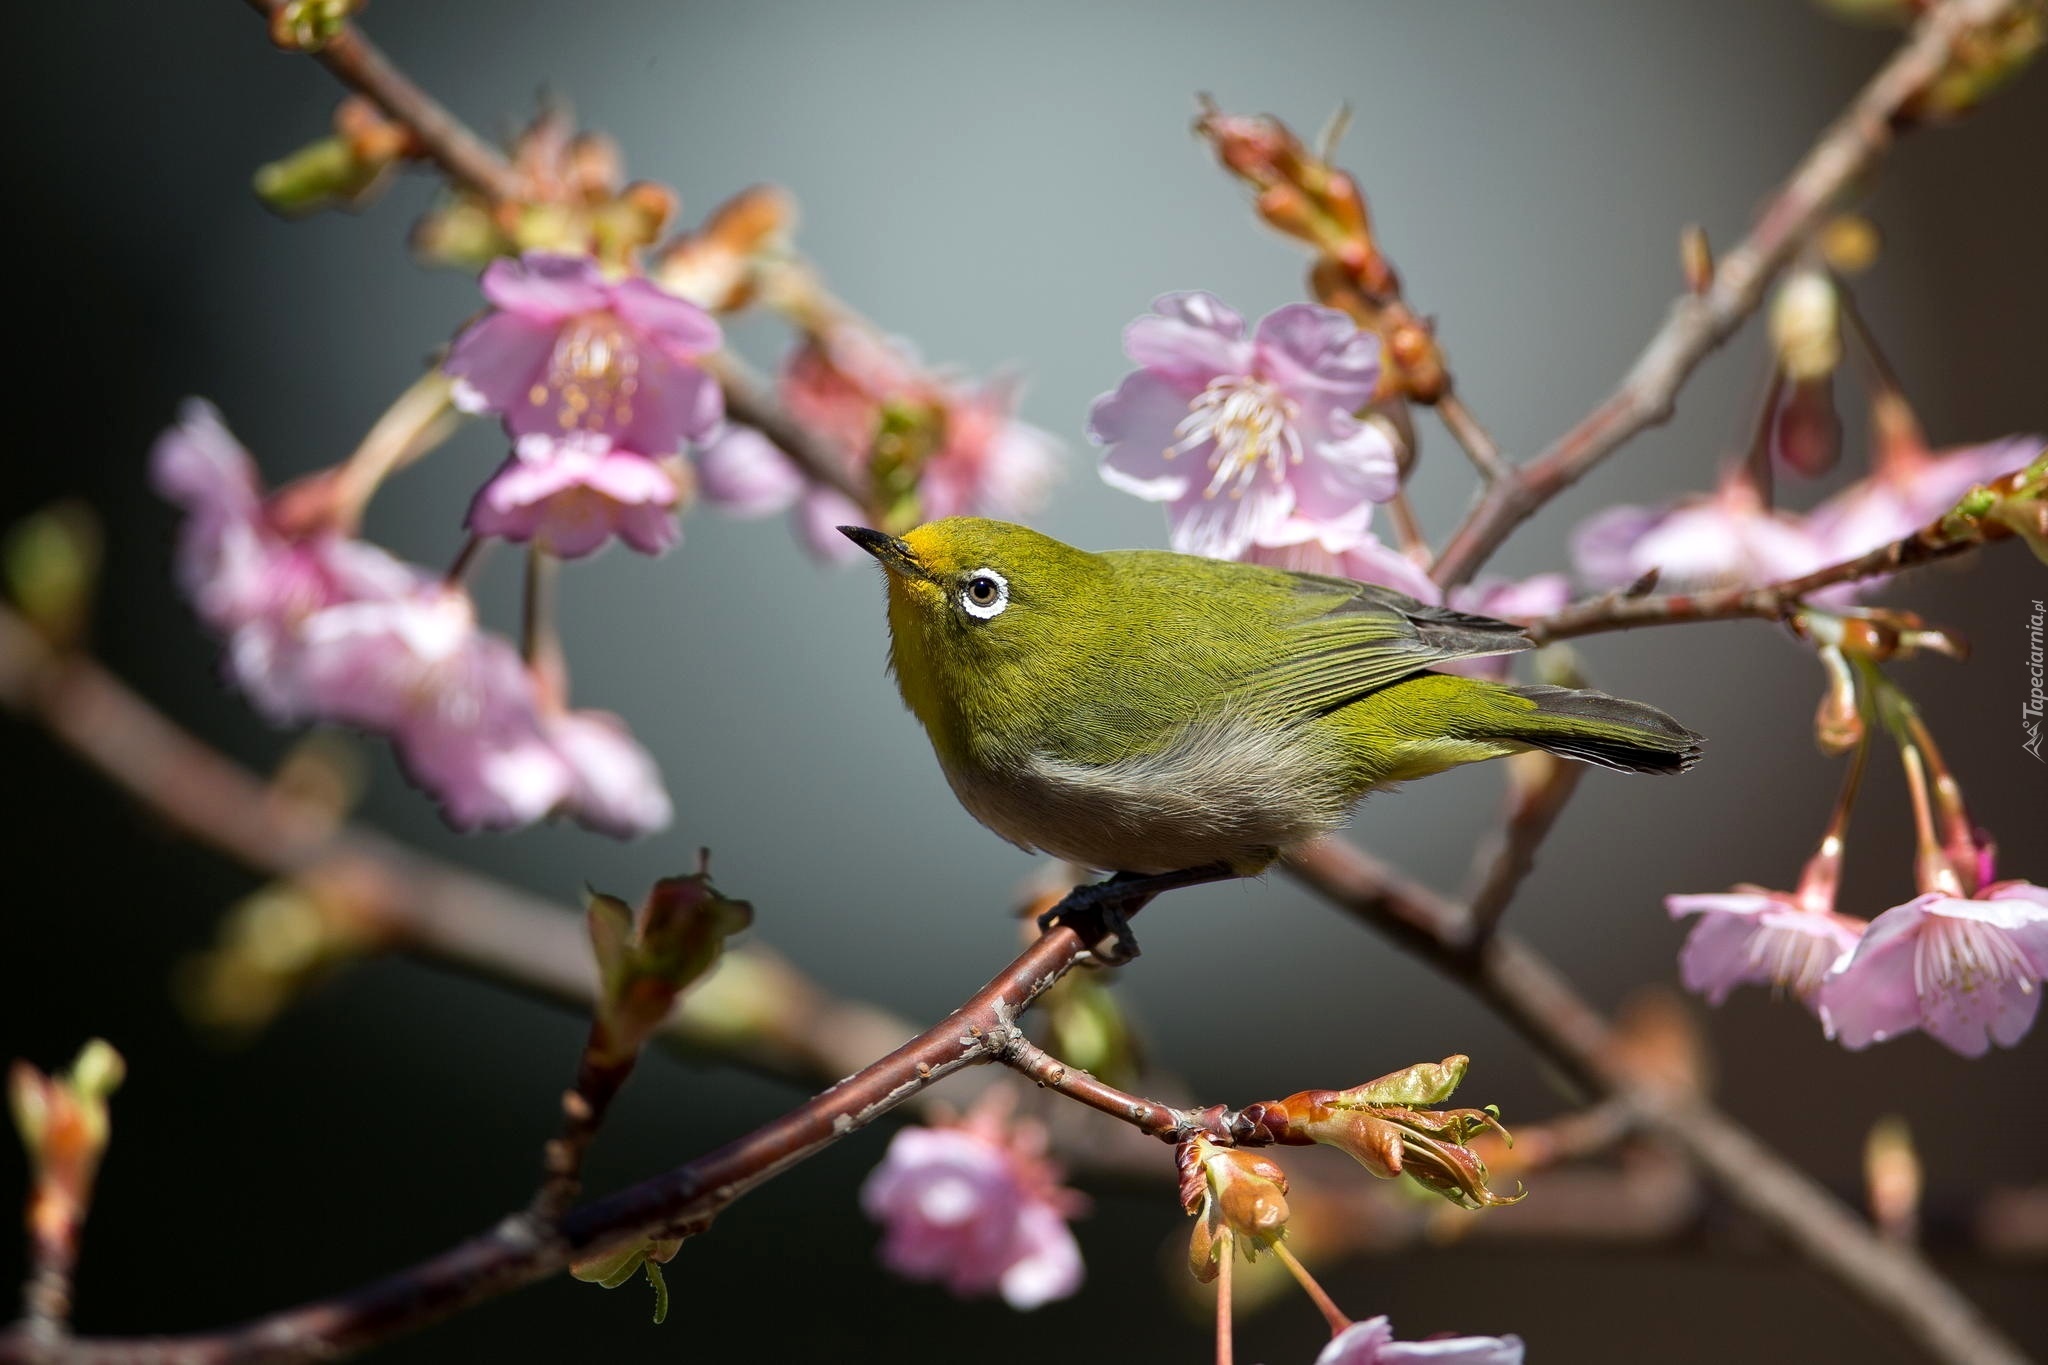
pixel 1848 640
pixel 2014 505
pixel 1238 1199
pixel 275 945
pixel 63 1124
pixel 309 25
pixel 1303 195
pixel 741 249
pixel 645 960
pixel 573 197
pixel 1392 1127
pixel 345 170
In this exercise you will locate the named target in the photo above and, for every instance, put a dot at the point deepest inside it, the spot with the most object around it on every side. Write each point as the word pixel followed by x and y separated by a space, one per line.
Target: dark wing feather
pixel 1356 638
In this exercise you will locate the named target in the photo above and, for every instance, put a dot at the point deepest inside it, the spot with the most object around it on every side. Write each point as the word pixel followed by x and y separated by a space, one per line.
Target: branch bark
pixel 1698 323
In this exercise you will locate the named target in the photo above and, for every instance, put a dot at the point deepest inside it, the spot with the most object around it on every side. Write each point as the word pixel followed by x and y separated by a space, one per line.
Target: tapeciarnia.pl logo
pixel 2037 699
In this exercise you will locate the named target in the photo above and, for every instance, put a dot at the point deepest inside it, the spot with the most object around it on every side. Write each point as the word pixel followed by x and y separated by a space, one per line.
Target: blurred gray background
pixel 1006 185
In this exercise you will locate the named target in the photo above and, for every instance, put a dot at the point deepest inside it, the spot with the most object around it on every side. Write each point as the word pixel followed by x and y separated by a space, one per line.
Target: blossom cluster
pixel 320 625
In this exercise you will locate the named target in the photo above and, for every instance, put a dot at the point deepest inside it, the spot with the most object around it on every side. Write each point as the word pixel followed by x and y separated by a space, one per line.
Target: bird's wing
pixel 1349 639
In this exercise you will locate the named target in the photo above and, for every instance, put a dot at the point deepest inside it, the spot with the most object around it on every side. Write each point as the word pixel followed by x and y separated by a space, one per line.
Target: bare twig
pixel 1525 990
pixel 1472 438
pixel 747 401
pixel 359 64
pixel 1699 322
pixel 1771 602
pixel 1533 808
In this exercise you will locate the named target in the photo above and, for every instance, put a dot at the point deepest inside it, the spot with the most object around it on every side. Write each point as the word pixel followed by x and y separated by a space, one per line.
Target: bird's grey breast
pixel 1231 790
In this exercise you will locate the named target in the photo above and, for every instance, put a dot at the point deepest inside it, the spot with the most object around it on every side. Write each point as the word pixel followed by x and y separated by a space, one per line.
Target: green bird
pixel 1144 712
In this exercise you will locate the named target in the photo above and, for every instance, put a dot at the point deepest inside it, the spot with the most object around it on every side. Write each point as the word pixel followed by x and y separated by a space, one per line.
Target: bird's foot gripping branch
pixel 1180 717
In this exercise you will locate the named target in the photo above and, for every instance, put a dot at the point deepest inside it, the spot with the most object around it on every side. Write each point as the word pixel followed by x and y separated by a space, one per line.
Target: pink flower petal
pixel 817 518
pixel 747 475
pixel 1319 356
pixel 544 287
pixel 1872 997
pixel 678 327
pixel 1137 424
pixel 1187 340
pixel 674 405
pixel 1048 1260
pixel 1226 525
pixel 497 362
pixel 1353 466
pixel 615 787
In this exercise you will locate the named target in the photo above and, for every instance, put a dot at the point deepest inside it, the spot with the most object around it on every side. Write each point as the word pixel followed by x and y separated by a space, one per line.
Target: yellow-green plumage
pixel 1140 711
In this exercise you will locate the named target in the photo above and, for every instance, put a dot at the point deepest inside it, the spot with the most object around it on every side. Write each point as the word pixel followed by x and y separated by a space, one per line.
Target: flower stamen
pixel 1252 425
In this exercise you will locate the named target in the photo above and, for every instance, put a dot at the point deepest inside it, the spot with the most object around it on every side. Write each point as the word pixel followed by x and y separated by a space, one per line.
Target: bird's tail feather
pixel 1593 727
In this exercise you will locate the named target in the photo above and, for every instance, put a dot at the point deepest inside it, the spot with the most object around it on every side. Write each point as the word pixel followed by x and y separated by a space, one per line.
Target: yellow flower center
pixel 593 373
pixel 1251 424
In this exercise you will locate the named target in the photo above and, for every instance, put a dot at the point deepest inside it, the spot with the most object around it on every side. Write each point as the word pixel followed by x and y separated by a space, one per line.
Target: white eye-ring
pixel 986 594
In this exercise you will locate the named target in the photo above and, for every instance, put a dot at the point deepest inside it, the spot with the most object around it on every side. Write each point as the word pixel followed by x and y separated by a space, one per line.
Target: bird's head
pixel 976 606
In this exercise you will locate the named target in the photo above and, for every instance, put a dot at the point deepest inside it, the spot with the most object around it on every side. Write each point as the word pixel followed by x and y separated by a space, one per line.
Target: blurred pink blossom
pixel 570 495
pixel 321 627
pixel 614 785
pixel 566 350
pixel 1371 1342
pixel 458 703
pixel 976 1209
pixel 1967 972
pixel 1726 538
pixel 249 581
pixel 1754 937
pixel 747 474
pixel 1909 488
pixel 1241 433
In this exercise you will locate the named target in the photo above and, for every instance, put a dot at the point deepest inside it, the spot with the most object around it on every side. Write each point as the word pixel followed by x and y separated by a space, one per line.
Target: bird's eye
pixel 986 594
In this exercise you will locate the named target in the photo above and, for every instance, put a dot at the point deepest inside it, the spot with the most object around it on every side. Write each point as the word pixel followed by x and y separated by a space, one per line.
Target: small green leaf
pixel 1423 1083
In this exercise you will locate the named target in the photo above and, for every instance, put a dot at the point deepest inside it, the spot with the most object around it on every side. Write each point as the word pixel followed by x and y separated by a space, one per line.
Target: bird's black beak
pixel 896 557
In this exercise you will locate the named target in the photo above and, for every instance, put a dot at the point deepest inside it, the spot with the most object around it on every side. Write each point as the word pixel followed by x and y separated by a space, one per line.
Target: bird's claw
pixel 1098 913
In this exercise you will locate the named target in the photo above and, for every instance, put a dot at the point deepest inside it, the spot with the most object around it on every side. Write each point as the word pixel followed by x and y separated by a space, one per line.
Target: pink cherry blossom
pixel 458 703
pixel 1371 1342
pixel 1967 972
pixel 614 785
pixel 1754 937
pixel 1342 552
pixel 987 462
pixel 1725 538
pixel 1909 488
pixel 567 350
pixel 747 474
pixel 1241 433
pixel 976 1210
pixel 570 495
pixel 248 579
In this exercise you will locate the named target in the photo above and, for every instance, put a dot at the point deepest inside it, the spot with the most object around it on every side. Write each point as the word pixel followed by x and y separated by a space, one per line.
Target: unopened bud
pixel 1838 725
pixel 644 962
pixel 1850 244
pixel 1805 433
pixel 1892 1178
pixel 1806 320
pixel 1238 1197
pixel 1257 147
pixel 1696 259
pixel 64 1125
pixel 51 563
pixel 309 25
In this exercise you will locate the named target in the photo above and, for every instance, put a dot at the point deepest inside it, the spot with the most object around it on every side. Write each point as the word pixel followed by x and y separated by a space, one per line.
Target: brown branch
pixel 1472 438
pixel 1699 322
pixel 360 65
pixel 599 1078
pixel 1518 984
pixel 748 402
pixel 1771 602
pixel 681 1202
pixel 1533 808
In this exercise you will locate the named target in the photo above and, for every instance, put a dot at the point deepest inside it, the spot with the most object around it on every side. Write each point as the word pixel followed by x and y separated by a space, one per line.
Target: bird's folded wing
pixel 1356 638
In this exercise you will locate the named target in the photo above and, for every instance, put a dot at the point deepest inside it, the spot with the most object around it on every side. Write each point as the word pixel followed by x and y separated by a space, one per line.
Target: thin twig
pixel 1770 602
pixel 747 401
pixel 599 1077
pixel 1699 322
pixel 1525 990
pixel 1533 809
pixel 447 142
pixel 1472 438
